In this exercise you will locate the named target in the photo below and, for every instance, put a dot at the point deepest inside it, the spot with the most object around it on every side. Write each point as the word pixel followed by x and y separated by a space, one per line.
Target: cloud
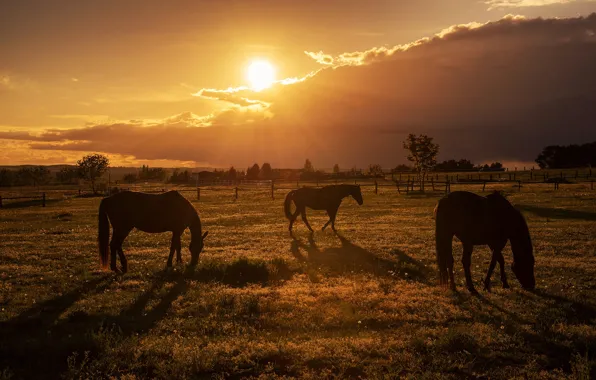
pixel 12 82
pixel 496 4
pixel 495 91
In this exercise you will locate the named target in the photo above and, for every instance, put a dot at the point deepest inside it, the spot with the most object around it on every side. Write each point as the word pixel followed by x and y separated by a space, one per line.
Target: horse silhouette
pixel 477 220
pixel 153 213
pixel 326 198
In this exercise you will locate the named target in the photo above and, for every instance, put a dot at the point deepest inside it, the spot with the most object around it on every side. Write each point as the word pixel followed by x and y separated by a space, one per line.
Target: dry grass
pixel 361 304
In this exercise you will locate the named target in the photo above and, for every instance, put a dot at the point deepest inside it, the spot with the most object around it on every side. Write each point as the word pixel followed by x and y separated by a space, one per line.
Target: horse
pixel 477 220
pixel 153 213
pixel 326 198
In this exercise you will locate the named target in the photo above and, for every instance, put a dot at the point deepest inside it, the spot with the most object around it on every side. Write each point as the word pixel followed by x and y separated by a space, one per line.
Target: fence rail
pixel 407 185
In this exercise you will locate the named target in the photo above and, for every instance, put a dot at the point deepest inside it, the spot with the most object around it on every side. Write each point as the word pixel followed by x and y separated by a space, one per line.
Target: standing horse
pixel 477 220
pixel 154 213
pixel 326 198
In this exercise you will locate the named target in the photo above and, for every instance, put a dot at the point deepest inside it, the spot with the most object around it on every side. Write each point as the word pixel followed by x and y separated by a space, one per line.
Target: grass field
pixel 363 303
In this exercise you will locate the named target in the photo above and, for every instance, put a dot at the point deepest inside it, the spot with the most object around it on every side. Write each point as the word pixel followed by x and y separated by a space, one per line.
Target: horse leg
pixel 115 247
pixel 332 212
pixel 491 268
pixel 293 219
pixel 123 260
pixel 178 248
pixel 467 262
pixel 172 250
pixel 303 212
pixel 501 261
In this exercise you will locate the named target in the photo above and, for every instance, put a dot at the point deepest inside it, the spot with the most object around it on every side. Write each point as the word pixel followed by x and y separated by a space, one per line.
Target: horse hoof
pixel 473 291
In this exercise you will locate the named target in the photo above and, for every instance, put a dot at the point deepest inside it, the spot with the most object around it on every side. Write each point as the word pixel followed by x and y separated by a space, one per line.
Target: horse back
pixel 149 212
pixel 470 217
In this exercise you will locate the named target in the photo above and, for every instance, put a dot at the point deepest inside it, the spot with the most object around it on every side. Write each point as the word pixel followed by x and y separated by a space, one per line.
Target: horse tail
pixel 103 235
pixel 443 245
pixel 288 204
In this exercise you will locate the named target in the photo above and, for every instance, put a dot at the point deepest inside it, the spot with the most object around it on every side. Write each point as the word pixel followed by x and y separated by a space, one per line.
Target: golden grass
pixel 361 304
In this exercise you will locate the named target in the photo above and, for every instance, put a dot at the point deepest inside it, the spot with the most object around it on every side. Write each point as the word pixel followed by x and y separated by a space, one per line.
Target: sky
pixel 165 83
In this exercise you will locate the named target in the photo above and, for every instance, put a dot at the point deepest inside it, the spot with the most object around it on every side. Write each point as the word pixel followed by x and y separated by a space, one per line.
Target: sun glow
pixel 261 75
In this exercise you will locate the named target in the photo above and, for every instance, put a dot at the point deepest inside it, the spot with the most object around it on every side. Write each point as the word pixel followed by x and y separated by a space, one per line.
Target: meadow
pixel 360 304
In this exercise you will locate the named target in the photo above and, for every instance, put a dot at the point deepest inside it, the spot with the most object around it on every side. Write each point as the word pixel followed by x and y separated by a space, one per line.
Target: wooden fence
pixel 407 185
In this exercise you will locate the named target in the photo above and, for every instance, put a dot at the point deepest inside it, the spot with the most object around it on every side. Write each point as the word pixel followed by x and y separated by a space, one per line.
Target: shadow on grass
pixel 537 334
pixel 242 272
pixel 28 203
pixel 37 342
pixel 353 258
pixel 557 213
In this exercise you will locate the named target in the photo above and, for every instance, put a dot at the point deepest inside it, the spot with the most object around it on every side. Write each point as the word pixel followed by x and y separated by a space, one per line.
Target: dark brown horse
pixel 326 198
pixel 477 220
pixel 167 212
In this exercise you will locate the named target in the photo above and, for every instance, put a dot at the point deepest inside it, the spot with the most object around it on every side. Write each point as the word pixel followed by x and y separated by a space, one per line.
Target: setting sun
pixel 261 75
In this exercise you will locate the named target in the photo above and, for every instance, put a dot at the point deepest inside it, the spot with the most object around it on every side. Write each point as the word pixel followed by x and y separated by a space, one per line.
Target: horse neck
pixel 196 230
pixel 347 191
pixel 519 236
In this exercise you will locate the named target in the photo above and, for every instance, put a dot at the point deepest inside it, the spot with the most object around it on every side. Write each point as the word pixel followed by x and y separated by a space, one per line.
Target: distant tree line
pixel 569 156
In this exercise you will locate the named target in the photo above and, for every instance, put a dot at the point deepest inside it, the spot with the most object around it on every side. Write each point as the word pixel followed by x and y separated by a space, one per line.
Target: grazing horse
pixel 477 220
pixel 167 212
pixel 326 198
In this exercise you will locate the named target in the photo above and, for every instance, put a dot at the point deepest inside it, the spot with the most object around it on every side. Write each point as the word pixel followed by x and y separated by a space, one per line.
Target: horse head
pixel 523 256
pixel 196 247
pixel 357 194
pixel 518 233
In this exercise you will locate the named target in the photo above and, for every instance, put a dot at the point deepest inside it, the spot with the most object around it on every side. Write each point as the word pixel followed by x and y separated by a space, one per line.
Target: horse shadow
pixel 553 346
pixel 27 337
pixel 351 258
pixel 557 213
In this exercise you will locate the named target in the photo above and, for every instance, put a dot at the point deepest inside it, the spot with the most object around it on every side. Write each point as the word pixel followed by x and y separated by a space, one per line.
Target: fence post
pixel 591 188
pixel 483 186
pixel 272 189
pixel 519 185
pixel 43 200
pixel 198 193
pixel 236 193
pixel 397 184
pixel 376 187
pixel 79 191
pixel 432 182
pixel 0 201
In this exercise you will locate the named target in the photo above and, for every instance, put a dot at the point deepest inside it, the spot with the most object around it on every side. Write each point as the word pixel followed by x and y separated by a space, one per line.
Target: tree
pixel 130 178
pixel 266 171
pixel 375 170
pixel 232 173
pixel 401 168
pixel 454 166
pixel 92 167
pixel 7 177
pixel 253 172
pixel 308 167
pixel 336 169
pixel 67 175
pixel 423 153
pixel 569 156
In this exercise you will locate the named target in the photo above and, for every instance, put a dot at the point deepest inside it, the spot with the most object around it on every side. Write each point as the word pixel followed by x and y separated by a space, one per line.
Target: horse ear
pixel 205 234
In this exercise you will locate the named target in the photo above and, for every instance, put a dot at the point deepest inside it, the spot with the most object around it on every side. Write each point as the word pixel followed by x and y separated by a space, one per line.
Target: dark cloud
pixel 501 90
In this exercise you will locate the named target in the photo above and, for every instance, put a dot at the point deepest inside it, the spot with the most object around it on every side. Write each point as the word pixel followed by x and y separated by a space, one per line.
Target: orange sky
pixel 145 81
